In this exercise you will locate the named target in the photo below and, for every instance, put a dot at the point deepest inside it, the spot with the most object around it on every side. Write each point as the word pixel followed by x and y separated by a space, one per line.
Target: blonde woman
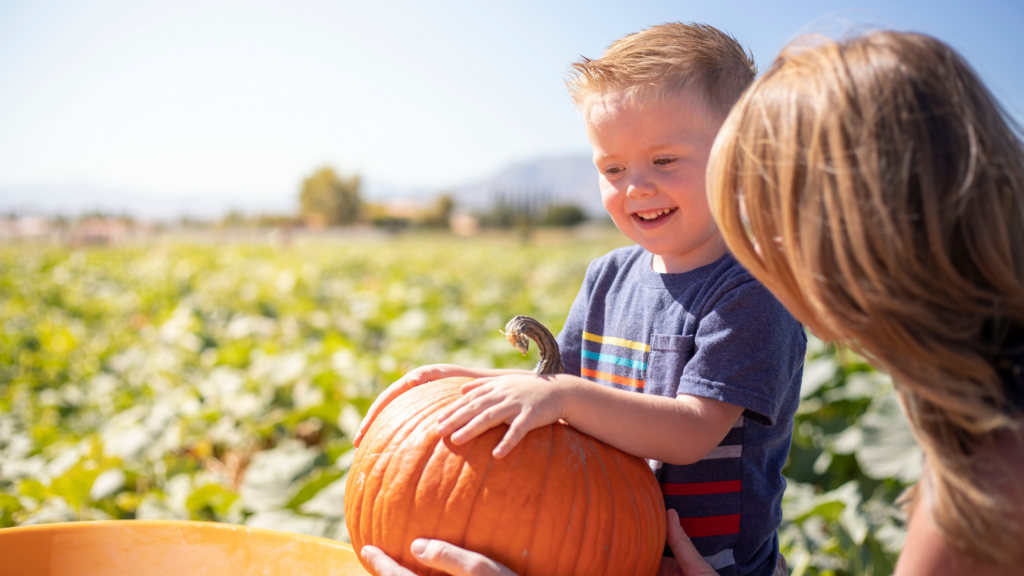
pixel 876 188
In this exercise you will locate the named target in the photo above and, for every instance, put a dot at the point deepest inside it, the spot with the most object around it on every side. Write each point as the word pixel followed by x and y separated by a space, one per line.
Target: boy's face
pixel 651 161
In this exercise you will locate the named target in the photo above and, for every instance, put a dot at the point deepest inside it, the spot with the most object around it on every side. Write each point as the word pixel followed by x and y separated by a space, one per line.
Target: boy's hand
pixel 524 402
pixel 420 375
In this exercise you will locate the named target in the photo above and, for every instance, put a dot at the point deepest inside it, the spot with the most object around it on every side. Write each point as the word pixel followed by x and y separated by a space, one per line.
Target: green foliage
pixel 225 382
pixel 328 200
pixel 563 215
pixel 852 456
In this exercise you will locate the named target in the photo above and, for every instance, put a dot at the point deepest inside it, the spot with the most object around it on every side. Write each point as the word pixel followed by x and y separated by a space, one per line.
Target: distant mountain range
pixel 565 179
pixel 570 179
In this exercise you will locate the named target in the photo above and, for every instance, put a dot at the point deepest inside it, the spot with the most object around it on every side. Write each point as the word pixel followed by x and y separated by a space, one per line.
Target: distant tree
pixel 438 214
pixel 328 200
pixel 563 215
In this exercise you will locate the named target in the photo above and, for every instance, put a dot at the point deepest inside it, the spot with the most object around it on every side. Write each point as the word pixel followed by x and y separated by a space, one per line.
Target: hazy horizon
pixel 212 105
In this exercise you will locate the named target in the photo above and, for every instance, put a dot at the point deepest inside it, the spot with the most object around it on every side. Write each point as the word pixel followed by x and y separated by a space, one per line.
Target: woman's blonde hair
pixel 876 186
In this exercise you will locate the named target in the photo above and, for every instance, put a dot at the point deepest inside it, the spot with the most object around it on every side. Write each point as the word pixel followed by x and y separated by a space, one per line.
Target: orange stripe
pixel 711 525
pixel 699 488
pixel 612 378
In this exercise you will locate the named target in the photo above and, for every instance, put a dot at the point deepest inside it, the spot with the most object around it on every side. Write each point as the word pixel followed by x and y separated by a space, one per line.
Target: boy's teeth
pixel 652 215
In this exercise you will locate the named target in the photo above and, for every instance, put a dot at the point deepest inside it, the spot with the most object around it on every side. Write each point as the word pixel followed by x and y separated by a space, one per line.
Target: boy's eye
pixel 664 161
pixel 614 170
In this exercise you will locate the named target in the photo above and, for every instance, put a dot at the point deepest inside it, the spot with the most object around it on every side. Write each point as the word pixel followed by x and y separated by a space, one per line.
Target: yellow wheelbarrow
pixel 168 548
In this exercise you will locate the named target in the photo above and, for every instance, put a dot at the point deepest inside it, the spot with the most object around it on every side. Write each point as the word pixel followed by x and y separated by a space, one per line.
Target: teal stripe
pixel 615 360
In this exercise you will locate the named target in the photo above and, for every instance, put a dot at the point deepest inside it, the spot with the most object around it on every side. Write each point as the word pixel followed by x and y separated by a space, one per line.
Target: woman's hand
pixel 436 554
pixel 690 562
pixel 524 402
pixel 420 375
pixel 458 562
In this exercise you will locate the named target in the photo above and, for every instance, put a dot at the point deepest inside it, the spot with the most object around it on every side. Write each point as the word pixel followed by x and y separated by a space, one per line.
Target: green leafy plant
pixel 225 382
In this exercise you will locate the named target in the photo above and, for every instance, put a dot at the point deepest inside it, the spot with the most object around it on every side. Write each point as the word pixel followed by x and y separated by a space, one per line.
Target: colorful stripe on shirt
pixel 700 488
pixel 608 358
pixel 721 560
pixel 613 341
pixel 711 525
pixel 598 375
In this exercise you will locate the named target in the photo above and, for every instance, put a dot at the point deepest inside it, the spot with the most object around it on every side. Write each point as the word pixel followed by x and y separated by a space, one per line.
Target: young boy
pixel 674 352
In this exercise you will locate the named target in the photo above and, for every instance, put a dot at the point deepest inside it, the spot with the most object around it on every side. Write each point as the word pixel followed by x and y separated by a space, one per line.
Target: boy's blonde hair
pixel 668 60
pixel 876 186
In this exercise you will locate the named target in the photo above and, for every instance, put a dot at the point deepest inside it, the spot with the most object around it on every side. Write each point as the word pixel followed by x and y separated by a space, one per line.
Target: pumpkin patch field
pixel 224 381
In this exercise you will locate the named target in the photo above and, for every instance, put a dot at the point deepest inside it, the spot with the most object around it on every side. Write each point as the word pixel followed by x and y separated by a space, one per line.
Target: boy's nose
pixel 640 189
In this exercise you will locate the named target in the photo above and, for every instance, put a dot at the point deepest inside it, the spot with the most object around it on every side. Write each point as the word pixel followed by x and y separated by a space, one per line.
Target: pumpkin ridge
pixel 417 461
pixel 540 500
pixel 379 474
pixel 649 489
pixel 610 546
pixel 520 512
pixel 466 482
pixel 628 557
pixel 496 517
pixel 641 503
pixel 578 449
pixel 477 505
pixel 415 528
pixel 565 432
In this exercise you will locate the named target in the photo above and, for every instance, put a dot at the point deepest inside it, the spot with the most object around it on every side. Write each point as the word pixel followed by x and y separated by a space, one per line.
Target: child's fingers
pixel 516 432
pixel 482 422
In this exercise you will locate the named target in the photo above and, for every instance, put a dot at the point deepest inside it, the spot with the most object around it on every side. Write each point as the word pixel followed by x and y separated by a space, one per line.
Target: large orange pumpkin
pixel 560 503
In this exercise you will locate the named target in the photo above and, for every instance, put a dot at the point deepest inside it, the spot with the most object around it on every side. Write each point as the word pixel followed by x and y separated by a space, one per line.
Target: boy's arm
pixel 679 430
pixel 414 378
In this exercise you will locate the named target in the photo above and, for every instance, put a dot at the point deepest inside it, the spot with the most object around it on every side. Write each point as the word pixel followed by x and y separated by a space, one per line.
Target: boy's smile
pixel 651 160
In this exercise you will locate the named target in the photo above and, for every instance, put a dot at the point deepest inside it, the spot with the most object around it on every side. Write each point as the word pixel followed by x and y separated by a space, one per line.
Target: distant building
pixel 464 225
pixel 99 230
pixel 27 227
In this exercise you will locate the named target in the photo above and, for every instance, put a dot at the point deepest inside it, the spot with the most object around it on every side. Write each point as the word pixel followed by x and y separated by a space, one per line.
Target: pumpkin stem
pixel 520 329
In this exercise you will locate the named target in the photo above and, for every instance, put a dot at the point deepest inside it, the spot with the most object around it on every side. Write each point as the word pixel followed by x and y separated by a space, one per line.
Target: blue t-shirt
pixel 714 332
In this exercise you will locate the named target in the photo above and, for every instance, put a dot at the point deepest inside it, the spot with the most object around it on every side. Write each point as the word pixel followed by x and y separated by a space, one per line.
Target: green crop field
pixel 224 381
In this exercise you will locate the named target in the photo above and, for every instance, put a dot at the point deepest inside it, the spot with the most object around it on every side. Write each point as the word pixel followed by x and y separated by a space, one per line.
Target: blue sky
pixel 233 102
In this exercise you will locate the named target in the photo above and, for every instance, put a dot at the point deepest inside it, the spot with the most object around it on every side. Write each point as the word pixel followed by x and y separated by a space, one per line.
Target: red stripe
pixel 699 488
pixel 711 525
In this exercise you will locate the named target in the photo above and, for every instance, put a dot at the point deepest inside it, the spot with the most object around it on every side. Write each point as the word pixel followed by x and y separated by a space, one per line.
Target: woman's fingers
pixel 381 563
pixel 475 383
pixel 454 560
pixel 396 389
pixel 468 395
pixel 463 410
pixel 385 398
pixel 690 560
